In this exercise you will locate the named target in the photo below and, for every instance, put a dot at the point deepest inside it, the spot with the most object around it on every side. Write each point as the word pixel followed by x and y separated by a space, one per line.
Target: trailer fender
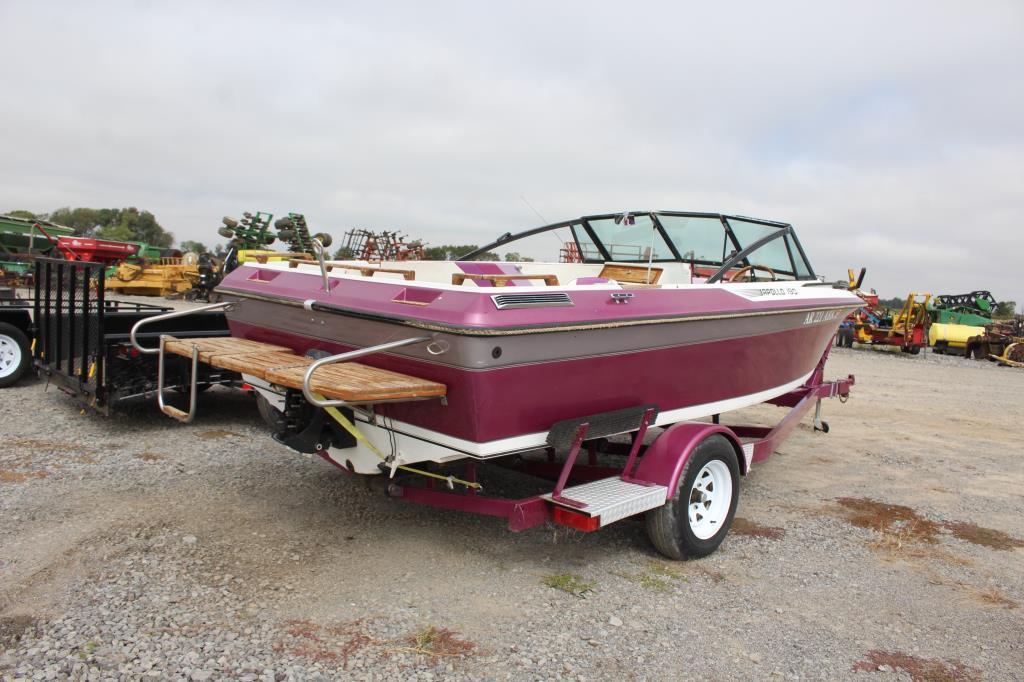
pixel 665 460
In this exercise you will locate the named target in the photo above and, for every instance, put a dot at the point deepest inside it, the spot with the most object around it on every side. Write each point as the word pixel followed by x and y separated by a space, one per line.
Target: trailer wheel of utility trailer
pixel 15 354
pixel 696 519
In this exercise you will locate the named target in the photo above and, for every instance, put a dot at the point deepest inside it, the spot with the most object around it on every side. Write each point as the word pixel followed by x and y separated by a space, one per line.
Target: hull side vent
pixel 538 300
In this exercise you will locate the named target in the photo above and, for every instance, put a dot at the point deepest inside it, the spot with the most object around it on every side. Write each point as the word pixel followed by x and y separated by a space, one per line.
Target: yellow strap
pixel 351 428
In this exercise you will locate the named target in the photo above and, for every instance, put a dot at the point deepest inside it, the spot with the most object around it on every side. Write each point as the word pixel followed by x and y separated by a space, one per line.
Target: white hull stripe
pixel 533 441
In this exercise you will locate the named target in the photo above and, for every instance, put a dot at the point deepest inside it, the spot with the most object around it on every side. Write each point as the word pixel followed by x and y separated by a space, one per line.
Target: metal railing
pixel 312 397
pixel 225 305
pixel 170 410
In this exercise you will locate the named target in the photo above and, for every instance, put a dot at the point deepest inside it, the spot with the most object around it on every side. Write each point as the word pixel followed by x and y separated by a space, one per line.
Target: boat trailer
pixel 681 479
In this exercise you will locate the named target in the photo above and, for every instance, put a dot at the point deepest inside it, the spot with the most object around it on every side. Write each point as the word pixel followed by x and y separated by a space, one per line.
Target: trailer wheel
pixel 696 519
pixel 273 417
pixel 14 354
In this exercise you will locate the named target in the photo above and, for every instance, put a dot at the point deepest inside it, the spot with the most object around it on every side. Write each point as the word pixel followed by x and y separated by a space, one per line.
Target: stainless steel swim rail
pixel 307 391
pixel 226 305
pixel 181 415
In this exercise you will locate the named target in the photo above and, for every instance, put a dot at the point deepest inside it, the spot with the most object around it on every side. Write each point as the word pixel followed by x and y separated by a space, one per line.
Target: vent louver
pixel 538 300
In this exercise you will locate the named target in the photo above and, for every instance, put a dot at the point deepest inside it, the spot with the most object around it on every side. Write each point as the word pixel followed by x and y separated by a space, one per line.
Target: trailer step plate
pixel 612 498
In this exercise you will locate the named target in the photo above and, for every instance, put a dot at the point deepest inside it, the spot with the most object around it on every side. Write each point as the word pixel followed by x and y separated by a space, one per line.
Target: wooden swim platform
pixel 352 382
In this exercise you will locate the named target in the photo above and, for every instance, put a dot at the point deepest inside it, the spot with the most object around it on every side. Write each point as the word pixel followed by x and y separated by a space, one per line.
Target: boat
pixel 648 319
pixel 697 314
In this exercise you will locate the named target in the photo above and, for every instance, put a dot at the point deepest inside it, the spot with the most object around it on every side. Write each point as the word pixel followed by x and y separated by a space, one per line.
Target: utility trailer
pixel 79 340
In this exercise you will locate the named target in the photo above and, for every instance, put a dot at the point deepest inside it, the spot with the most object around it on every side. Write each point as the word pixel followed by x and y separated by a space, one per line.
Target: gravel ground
pixel 890 548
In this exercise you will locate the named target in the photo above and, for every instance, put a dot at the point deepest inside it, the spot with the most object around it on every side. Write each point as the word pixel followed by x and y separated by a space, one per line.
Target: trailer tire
pixel 272 416
pixel 714 498
pixel 15 355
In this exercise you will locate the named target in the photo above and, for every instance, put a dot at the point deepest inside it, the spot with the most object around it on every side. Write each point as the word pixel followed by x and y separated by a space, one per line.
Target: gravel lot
pixel 890 548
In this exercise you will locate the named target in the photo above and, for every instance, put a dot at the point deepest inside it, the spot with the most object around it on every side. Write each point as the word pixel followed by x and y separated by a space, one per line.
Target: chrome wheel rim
pixel 10 356
pixel 710 499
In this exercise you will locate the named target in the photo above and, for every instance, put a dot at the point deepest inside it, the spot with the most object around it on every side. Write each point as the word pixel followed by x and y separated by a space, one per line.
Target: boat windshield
pixel 714 244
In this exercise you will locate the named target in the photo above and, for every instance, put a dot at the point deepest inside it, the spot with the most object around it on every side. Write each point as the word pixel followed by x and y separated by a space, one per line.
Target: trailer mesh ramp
pixel 350 381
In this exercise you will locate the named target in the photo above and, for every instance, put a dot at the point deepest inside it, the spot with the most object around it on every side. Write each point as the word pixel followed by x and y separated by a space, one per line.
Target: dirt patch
pixel 986 537
pixel 752 529
pixel 214 434
pixel 891 519
pixel 900 525
pixel 919 669
pixel 150 456
pixel 335 644
pixel 11 476
pixel 47 445
pixel 13 627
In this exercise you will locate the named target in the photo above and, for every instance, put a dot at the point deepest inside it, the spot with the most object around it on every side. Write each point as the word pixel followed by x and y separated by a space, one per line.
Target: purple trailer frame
pixel 662 462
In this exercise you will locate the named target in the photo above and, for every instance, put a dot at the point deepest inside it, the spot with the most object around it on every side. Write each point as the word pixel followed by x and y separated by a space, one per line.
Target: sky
pixel 890 134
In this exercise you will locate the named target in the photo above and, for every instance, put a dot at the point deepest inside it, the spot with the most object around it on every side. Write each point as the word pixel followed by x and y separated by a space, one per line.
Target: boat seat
pixel 631 274
pixel 583 281
pixel 501 280
pixel 405 273
pixel 490 268
pixel 352 382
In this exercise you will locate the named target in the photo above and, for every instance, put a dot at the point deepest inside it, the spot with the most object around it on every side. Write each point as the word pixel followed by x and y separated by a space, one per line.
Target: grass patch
pixel 658 576
pixel 438 642
pixel 646 581
pixel 570 583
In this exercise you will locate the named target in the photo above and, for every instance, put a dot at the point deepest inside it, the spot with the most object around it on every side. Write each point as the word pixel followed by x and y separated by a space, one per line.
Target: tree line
pixel 119 224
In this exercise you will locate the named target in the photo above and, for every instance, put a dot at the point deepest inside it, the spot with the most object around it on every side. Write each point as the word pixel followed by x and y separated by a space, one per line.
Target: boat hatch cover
pixel 537 300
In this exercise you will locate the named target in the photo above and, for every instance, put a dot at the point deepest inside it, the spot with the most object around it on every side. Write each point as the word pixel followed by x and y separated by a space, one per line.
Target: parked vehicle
pixel 15 337
pixel 668 318
pixel 79 340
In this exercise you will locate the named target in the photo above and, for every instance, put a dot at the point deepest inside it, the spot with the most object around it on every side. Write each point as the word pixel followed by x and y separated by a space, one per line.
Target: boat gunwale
pixel 541 328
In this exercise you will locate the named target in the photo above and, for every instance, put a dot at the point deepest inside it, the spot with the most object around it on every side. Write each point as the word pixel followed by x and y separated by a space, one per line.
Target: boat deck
pixel 352 382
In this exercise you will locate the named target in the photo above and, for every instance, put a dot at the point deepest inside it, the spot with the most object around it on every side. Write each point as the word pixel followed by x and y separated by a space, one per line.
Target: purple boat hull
pixel 516 372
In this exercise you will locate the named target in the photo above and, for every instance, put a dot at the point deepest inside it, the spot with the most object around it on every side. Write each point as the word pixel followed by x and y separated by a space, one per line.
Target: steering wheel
pixel 750 268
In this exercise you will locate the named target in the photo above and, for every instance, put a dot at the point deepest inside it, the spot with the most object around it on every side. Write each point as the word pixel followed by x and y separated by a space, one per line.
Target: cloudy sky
pixel 890 134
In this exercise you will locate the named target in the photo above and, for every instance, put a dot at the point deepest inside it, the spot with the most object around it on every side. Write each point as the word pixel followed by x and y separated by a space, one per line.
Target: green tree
pixel 454 251
pixel 1004 310
pixel 122 224
pixel 344 253
pixel 193 246
pixel 27 215
pixel 84 221
pixel 516 257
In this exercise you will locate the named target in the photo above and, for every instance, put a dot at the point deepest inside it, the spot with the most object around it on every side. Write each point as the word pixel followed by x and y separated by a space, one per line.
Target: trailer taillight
pixel 127 350
pixel 575 520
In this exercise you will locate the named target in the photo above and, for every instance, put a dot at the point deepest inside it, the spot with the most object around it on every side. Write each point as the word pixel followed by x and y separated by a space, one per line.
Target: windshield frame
pixel 736 257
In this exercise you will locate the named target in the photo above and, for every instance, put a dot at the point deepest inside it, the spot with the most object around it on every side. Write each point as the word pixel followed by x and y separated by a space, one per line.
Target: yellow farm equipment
pixel 159 277
pixel 265 256
pixel 952 338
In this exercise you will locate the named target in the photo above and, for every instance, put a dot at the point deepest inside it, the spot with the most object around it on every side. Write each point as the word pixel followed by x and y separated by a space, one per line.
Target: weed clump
pixel 570 583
